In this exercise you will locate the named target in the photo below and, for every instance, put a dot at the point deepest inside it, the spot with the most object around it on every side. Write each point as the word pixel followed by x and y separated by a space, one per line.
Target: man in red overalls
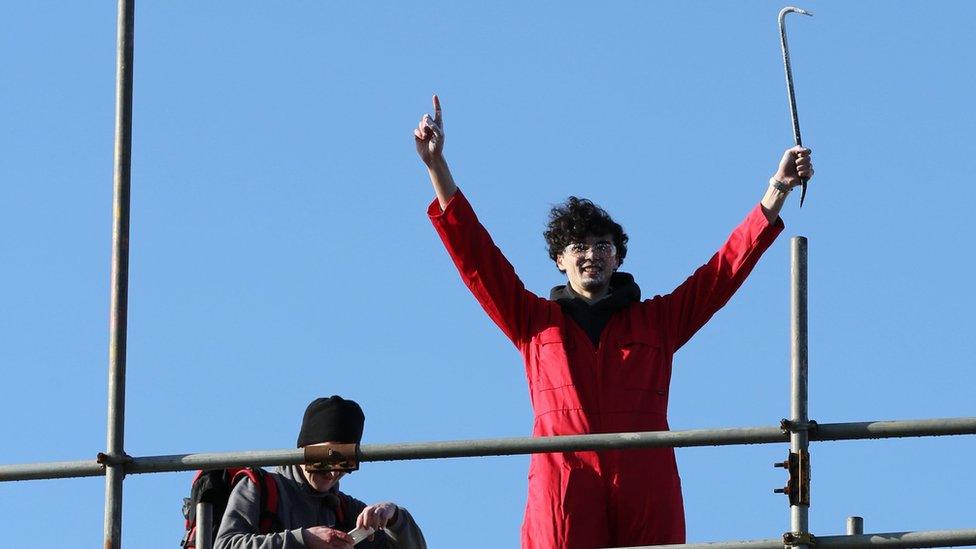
pixel 597 358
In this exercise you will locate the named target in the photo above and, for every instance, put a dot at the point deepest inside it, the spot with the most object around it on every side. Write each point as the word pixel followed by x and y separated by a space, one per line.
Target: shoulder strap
pixel 269 498
pixel 268 490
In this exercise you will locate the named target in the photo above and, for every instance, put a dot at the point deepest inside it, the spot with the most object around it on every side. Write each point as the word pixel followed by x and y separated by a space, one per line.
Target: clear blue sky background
pixel 280 249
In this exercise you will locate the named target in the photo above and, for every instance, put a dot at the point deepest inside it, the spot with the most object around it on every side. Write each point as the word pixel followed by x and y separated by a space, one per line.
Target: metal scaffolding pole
pixel 799 439
pixel 115 453
pixel 51 470
pixel 204 534
pixel 926 538
pixel 503 447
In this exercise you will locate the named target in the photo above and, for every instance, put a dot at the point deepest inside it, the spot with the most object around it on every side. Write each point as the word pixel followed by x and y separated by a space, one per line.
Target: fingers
pixel 339 540
pixel 804 166
pixel 795 167
pixel 375 516
pixel 429 135
pixel 423 131
pixel 427 129
pixel 363 520
pixel 795 152
pixel 797 160
pixel 803 163
pixel 322 537
pixel 432 125
pixel 361 523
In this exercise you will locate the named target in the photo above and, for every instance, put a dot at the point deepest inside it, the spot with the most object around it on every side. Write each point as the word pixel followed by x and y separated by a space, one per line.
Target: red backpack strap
pixel 268 490
pixel 269 497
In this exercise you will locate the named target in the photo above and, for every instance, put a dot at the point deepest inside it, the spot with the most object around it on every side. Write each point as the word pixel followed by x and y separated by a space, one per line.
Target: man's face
pixel 589 264
pixel 321 481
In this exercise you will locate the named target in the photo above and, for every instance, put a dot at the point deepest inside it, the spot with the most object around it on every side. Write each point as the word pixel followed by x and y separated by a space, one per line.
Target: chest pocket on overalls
pixel 641 364
pixel 549 367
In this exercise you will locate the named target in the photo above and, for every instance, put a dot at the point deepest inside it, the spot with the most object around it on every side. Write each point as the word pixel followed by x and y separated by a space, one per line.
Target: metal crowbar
pixel 789 82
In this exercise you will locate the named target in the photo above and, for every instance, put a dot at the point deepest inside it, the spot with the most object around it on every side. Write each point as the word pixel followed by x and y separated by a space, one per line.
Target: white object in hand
pixel 359 534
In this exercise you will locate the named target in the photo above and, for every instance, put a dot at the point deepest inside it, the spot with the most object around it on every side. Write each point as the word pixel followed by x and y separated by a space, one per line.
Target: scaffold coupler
pixel 342 458
pixel 791 539
pixel 797 466
pixel 797 487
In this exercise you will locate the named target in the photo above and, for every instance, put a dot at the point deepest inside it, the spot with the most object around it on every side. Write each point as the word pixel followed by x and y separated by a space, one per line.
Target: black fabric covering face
pixel 592 317
pixel 332 419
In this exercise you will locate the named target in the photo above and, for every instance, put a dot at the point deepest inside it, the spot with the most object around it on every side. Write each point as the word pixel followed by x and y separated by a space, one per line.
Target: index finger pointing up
pixel 437 112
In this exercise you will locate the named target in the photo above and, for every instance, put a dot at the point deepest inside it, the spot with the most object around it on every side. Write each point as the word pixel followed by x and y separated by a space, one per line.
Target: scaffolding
pixel 798 430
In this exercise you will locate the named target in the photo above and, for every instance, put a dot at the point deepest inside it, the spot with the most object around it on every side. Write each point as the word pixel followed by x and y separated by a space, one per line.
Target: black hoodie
pixel 592 317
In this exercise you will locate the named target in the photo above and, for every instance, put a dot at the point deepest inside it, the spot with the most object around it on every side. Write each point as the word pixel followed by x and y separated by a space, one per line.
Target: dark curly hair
pixel 577 218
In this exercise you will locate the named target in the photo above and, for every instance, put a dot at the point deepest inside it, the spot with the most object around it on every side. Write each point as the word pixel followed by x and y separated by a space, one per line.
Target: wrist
pixel 437 164
pixel 777 184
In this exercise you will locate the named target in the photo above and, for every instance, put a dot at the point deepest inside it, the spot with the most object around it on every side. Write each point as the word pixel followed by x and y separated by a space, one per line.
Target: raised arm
pixel 483 267
pixel 429 138
pixel 699 297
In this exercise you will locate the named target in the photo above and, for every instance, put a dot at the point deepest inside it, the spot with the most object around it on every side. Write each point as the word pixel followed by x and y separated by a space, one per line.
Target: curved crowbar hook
pixel 789 82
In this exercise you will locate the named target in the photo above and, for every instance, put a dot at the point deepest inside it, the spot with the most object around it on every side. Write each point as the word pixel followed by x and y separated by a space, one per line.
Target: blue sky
pixel 280 249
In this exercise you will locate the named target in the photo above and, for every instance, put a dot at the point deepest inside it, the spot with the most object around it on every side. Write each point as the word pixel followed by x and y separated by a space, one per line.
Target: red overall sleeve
pixel 484 269
pixel 691 304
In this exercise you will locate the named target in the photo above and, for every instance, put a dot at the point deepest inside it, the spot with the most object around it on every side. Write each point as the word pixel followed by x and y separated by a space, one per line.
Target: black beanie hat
pixel 332 419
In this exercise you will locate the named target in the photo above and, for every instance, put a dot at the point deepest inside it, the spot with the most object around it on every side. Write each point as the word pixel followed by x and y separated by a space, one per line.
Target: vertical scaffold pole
pixel 204 537
pixel 115 452
pixel 799 437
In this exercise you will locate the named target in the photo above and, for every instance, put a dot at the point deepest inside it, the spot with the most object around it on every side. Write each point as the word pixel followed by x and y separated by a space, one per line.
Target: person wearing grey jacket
pixel 312 513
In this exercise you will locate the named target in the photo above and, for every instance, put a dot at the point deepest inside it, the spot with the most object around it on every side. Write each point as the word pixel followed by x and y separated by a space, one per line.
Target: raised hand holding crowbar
pixel 789 82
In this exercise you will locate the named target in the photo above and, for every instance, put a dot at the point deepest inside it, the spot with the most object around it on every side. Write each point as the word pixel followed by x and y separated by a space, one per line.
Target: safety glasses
pixel 599 249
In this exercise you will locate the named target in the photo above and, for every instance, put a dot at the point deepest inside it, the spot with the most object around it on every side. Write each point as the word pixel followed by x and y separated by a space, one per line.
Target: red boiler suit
pixel 582 500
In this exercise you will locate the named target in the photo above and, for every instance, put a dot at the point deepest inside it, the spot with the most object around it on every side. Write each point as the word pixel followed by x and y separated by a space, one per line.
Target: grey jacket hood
pixel 294 473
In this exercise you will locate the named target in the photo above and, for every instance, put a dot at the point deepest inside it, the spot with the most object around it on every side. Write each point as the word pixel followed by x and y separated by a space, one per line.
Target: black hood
pixel 592 317
pixel 623 292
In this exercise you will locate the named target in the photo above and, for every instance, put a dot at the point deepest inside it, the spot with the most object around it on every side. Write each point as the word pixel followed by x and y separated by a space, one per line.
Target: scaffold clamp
pixel 789 426
pixel 797 487
pixel 341 458
pixel 799 538
pixel 112 459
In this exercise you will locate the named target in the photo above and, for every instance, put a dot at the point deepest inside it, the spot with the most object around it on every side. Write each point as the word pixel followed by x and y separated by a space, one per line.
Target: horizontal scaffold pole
pixel 922 538
pixel 506 446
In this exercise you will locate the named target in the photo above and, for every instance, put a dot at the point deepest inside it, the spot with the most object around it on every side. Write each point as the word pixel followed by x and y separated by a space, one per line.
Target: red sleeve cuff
pixel 456 205
pixel 757 220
